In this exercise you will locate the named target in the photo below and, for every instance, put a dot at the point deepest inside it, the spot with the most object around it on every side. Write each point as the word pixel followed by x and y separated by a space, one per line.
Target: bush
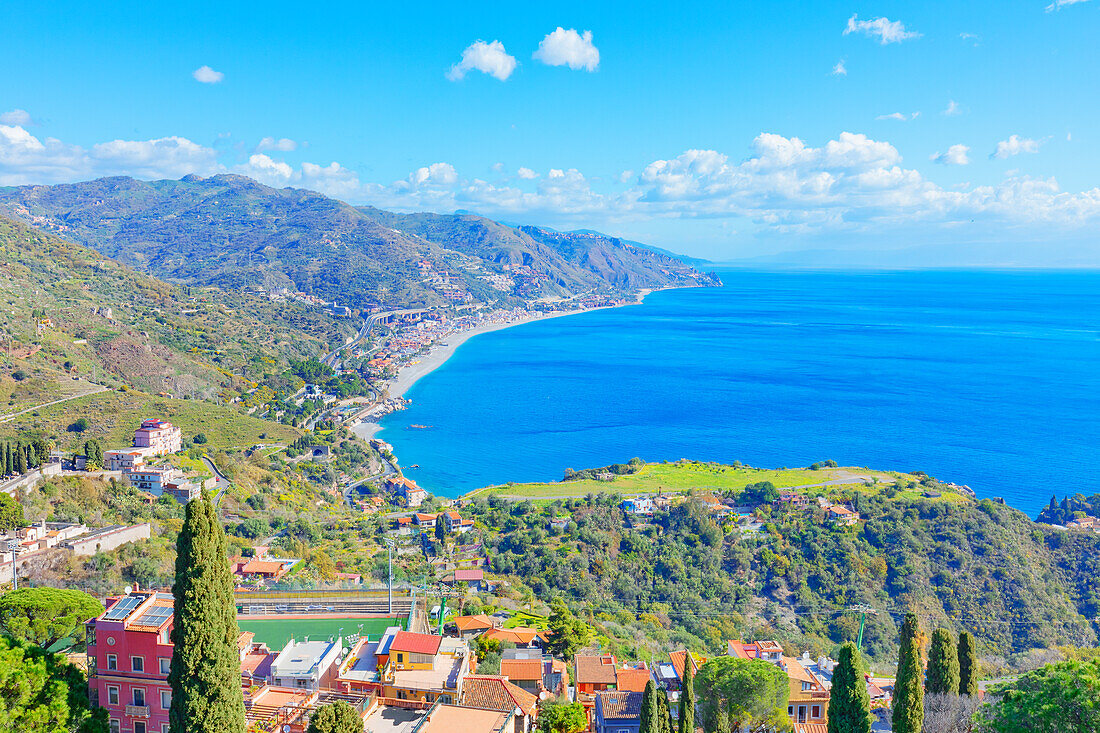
pixel 199 439
pixel 19 375
pixel 79 426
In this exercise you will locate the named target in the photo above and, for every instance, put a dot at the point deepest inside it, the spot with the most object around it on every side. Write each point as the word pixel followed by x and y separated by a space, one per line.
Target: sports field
pixel 275 632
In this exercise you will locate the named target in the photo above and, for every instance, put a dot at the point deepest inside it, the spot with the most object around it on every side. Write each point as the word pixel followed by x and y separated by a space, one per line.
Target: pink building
pixel 162 436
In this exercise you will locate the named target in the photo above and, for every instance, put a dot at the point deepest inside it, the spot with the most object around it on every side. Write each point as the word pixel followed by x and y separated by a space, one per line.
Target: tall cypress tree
pixel 849 701
pixel 666 712
pixel 943 664
pixel 687 697
pixel 206 670
pixel 651 710
pixel 968 664
pixel 19 461
pixel 908 714
pixel 722 718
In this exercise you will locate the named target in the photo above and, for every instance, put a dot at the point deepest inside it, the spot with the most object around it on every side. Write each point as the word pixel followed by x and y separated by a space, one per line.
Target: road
pixel 95 389
pixel 222 482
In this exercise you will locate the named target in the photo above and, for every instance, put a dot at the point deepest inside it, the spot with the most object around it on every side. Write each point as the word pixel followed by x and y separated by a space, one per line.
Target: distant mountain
pixel 693 261
pixel 233 232
pixel 68 309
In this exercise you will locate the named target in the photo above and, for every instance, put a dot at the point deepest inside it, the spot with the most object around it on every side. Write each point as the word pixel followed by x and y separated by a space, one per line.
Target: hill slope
pixel 233 232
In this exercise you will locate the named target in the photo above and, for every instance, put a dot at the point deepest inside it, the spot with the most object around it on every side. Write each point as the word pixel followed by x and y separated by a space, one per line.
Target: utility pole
pixel 862 610
pixel 389 587
pixel 14 547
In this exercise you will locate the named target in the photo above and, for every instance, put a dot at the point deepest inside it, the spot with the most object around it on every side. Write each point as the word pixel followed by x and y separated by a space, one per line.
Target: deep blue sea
pixel 990 379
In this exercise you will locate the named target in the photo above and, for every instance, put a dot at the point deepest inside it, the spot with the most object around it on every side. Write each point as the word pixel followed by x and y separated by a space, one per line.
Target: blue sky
pixel 717 129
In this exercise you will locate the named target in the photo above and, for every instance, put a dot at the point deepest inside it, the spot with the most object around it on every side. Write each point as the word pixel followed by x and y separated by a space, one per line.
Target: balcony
pixel 137 711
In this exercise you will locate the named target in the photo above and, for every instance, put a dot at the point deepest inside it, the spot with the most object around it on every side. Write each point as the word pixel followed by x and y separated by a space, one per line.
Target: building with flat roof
pixel 162 436
pixel 307 665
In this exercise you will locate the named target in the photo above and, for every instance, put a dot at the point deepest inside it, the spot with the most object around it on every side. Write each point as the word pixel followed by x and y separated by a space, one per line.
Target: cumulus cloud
pixel 952 109
pixel 840 69
pixel 884 29
pixel 488 58
pixel 568 48
pixel 206 75
pixel 955 155
pixel 527 174
pixel 1059 4
pixel 899 116
pixel 626 176
pixel 282 145
pixel 1015 145
pixel 17 117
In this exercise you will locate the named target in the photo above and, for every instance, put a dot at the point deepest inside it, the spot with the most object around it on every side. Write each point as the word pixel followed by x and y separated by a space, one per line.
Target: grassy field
pixel 113 416
pixel 276 632
pixel 681 476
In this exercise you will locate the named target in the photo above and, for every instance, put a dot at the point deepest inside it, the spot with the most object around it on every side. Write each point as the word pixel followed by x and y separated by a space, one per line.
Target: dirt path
pixel 95 389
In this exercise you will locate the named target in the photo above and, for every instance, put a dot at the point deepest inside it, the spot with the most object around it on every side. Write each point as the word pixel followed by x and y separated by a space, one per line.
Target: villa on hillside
pixel 808 704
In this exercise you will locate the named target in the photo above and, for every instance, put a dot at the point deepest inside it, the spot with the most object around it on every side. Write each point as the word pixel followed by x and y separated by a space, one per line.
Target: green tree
pixel 849 702
pixel 721 720
pixel 43 693
pixel 651 710
pixel 1058 698
pixel 686 723
pixel 337 717
pixel 94 453
pixel 11 514
pixel 754 692
pixel 908 715
pixel 559 717
pixel 666 713
pixel 567 632
pixel 19 460
pixel 943 664
pixel 205 672
pixel 968 664
pixel 52 618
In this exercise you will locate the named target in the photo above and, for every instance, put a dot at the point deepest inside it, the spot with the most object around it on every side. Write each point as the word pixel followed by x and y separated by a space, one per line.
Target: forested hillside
pixel 233 232
pixel 980 566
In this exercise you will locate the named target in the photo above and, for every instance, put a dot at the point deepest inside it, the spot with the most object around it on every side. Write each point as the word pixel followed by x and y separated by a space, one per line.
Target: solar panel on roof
pixel 123 608
pixel 155 616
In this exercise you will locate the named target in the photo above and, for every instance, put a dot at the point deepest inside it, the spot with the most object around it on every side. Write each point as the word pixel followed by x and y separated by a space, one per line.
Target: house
pixel 489 692
pixel 472 578
pixel 769 651
pixel 163 437
pixel 592 675
pixel 559 523
pixel 123 459
pixel 422 667
pixel 808 704
pixel 359 673
pixel 521 636
pixel 535 671
pixel 639 505
pixel 455 524
pixel 464 719
pixel 617 711
pixel 182 490
pixel 151 478
pixel 279 709
pixel 404 525
pixel 468 627
pixel 256 660
pixel 425 521
pixel 841 516
pixel 406 489
pixel 307 665
pixel 632 679
pixel 261 567
pixel 790 498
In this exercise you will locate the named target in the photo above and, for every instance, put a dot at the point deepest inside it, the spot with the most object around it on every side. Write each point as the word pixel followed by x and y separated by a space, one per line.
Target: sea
pixel 985 378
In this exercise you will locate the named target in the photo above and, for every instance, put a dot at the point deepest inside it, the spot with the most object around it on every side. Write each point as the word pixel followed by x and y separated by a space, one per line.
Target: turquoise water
pixel 990 379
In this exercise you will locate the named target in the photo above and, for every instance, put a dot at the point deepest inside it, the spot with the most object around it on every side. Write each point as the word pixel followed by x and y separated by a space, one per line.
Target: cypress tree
pixel 687 698
pixel 722 718
pixel 908 716
pixel 943 664
pixel 206 670
pixel 666 712
pixel 968 664
pixel 7 458
pixel 651 710
pixel 849 701
pixel 19 461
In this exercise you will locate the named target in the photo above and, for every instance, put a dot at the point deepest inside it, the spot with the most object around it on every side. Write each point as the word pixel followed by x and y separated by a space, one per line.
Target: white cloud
pixel 17 117
pixel 955 155
pixel 971 37
pixel 626 176
pixel 952 109
pixel 488 58
pixel 899 116
pixel 1059 4
pixel 527 174
pixel 840 69
pixel 206 75
pixel 568 48
pixel 1015 145
pixel 282 145
pixel 887 31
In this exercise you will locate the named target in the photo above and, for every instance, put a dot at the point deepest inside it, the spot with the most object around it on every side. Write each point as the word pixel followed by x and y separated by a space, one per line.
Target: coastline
pixel 440 352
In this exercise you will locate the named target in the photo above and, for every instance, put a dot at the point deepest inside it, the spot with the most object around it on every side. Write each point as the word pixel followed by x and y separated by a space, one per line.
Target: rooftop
pixel 490 692
pixel 461 719
pixel 298 658
pixel 595 670
pixel 521 669
pixel 408 641
pixel 619 705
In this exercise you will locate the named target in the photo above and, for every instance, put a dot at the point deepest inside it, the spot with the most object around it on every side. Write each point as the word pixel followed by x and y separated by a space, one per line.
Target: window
pixel 399 657
pixel 164 727
pixel 790 710
pixel 165 665
pixel 137 664
pixel 112 662
pixel 815 711
pixel 112 696
pixel 165 699
pixel 115 726
pixel 806 686
pixel 139 726
pixel 91 636
pixel 139 696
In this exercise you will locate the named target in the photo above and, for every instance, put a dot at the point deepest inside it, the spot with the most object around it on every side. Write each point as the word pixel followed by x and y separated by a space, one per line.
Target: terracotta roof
pixel 677 659
pixel 517 635
pixel 453 515
pixel 631 680
pixel 811 728
pixel 469 574
pixel 595 670
pixel 244 641
pixel 472 623
pixel 618 705
pixel 407 641
pixel 490 692
pixel 521 669
pixel 263 567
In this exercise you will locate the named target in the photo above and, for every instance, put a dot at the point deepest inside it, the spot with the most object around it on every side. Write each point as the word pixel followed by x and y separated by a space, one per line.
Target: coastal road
pixel 222 482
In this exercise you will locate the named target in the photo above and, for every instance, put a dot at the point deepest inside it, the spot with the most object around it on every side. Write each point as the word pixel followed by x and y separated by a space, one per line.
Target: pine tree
pixel 687 698
pixel 651 710
pixel 943 664
pixel 849 701
pixel 206 671
pixel 968 664
pixel 908 716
